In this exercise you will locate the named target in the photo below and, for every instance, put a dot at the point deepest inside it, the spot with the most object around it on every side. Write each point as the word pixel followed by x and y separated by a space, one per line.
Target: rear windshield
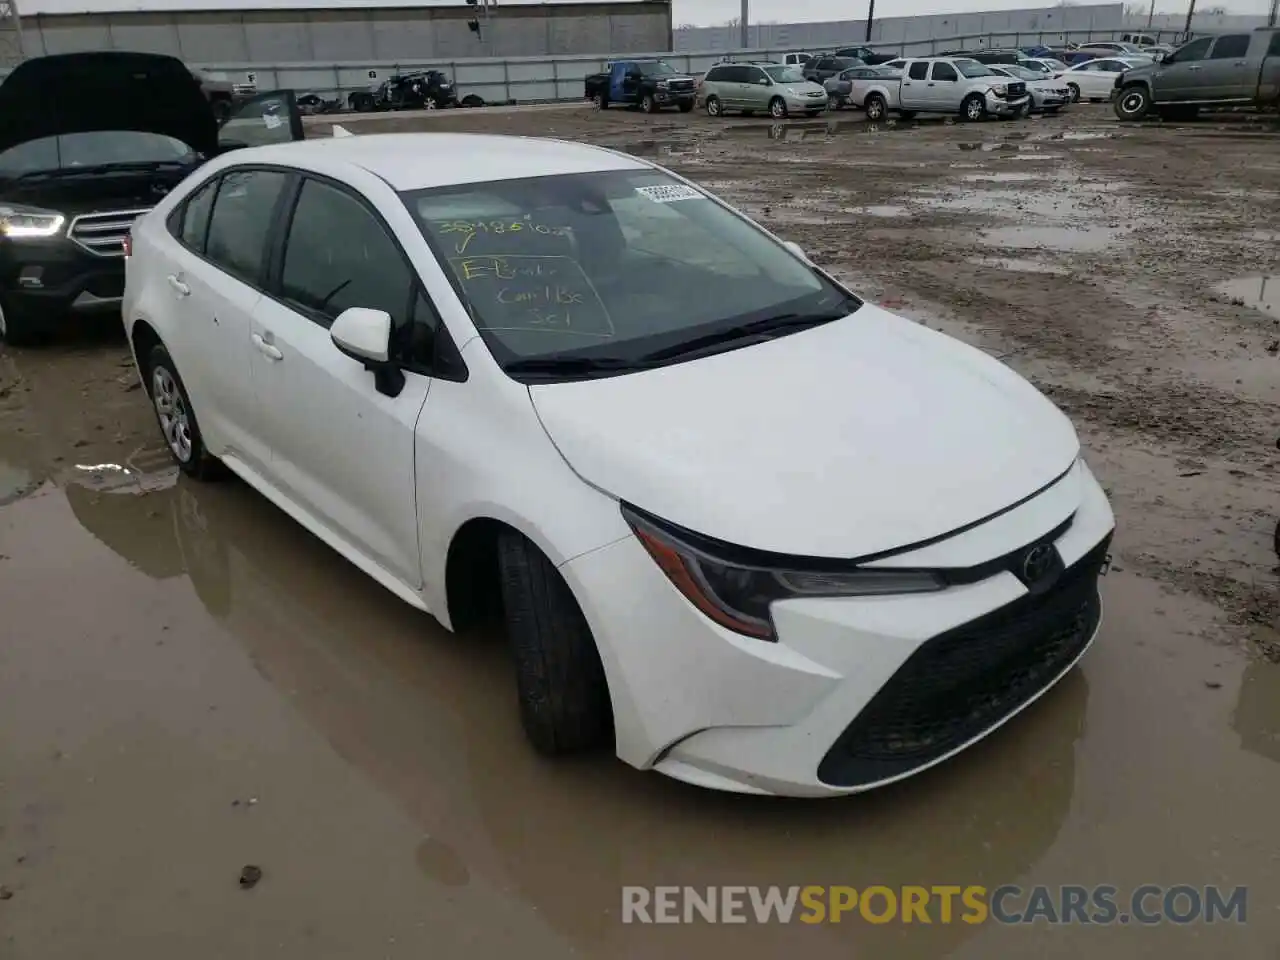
pixel 92 149
pixel 611 263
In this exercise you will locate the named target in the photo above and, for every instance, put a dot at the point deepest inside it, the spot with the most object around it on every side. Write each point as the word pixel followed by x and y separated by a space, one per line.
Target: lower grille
pixel 104 233
pixel 963 682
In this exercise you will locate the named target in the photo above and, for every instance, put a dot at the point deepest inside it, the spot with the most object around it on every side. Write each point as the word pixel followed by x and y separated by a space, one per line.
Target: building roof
pixel 415 161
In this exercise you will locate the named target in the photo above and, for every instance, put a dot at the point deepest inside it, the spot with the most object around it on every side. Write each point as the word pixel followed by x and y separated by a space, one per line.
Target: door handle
pixel 180 288
pixel 266 349
pixel 1193 67
pixel 1242 63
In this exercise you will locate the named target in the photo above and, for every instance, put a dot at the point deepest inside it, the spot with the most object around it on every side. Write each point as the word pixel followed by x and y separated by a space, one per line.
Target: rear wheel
pixel 564 696
pixel 177 418
pixel 778 108
pixel 875 107
pixel 1075 92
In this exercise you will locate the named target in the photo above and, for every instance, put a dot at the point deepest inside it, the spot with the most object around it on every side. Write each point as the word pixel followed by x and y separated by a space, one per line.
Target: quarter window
pixel 189 223
pixel 242 217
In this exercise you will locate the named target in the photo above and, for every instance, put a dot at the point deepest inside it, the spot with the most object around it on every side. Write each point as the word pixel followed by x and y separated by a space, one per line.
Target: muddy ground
pixel 190 684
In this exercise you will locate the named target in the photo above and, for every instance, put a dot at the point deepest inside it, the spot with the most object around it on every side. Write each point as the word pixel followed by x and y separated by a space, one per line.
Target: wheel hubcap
pixel 873 111
pixel 975 111
pixel 171 410
pixel 1132 103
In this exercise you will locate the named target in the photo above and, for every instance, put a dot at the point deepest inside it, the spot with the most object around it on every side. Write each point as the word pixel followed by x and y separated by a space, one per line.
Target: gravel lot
pixel 190 684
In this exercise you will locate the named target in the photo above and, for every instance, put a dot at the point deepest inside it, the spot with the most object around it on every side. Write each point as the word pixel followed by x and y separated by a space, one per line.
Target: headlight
pixel 19 222
pixel 738 596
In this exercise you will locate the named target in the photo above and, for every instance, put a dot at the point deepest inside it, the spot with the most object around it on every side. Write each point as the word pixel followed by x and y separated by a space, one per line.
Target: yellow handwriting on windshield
pixel 468 230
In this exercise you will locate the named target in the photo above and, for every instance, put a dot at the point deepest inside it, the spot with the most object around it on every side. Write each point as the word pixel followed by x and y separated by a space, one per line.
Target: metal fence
pixel 548 79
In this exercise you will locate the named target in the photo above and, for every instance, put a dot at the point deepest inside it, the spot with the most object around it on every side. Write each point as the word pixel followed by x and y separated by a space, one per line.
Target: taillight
pixel 128 245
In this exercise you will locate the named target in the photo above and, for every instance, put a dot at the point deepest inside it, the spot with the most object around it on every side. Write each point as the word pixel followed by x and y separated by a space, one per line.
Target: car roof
pixel 415 161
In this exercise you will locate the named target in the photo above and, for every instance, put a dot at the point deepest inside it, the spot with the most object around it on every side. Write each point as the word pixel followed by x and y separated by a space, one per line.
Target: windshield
pixel 655 68
pixel 611 266
pixel 785 74
pixel 1035 66
pixel 1022 73
pixel 94 149
pixel 972 68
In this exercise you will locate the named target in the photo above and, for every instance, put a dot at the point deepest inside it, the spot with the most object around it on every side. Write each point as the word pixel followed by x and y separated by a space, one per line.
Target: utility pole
pixel 1151 16
pixel 11 49
pixel 744 32
pixel 871 18
pixel 1191 12
pixel 1275 13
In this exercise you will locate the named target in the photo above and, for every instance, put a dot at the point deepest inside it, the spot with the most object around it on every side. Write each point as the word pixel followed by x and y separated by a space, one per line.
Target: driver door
pixel 1178 78
pixel 263 119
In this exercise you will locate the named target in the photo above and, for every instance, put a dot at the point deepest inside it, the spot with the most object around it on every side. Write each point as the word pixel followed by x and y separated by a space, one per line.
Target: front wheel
pixel 648 104
pixel 713 107
pixel 1133 103
pixel 564 696
pixel 778 108
pixel 875 107
pixel 177 418
pixel 600 101
pixel 1075 92
pixel 974 108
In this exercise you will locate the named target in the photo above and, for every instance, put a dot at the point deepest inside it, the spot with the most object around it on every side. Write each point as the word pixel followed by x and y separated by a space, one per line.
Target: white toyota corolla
pixel 756 533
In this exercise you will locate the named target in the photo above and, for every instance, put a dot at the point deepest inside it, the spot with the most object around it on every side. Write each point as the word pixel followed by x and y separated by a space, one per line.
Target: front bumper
pixel 802 104
pixel 858 692
pixel 46 280
pixel 675 97
pixel 1000 107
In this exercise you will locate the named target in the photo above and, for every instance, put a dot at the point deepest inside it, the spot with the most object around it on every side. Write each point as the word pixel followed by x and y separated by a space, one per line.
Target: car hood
pixel 105 90
pixel 864 435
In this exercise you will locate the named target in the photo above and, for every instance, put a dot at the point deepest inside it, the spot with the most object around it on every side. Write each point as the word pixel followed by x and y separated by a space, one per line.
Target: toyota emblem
pixel 1037 562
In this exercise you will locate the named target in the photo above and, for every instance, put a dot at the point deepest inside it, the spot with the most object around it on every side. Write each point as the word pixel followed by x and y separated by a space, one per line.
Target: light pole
pixel 744 39
pixel 871 18
pixel 11 20
pixel 1191 12
pixel 1275 13
pixel 1151 16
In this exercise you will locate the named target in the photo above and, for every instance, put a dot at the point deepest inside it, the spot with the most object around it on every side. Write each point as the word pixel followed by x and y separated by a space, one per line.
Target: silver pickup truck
pixel 1233 69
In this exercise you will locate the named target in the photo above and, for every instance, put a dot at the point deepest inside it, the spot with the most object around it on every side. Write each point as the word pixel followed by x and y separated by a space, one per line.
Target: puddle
pixel 1075 135
pixel 1018 204
pixel 1014 265
pixel 1009 176
pixel 886 210
pixel 1256 719
pixel 1061 238
pixel 1003 146
pixel 1260 293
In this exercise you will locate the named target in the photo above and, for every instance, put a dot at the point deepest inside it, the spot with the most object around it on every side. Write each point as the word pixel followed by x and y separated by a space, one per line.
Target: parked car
pixel 870 57
pixel 1072 57
pixel 220 93
pixel 418 90
pixel 310 104
pixel 1231 70
pixel 986 56
pixel 76 172
pixel 1115 48
pixel 960 86
pixel 468 413
pixel 1143 40
pixel 822 69
pixel 1045 65
pixel 872 89
pixel 1048 96
pixel 751 87
pixel 796 59
pixel 1095 80
pixel 650 85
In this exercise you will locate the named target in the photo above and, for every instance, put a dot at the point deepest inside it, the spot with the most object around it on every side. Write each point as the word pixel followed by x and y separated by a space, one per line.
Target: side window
pixel 756 75
pixel 1192 51
pixel 242 217
pixel 189 223
pixel 339 255
pixel 919 70
pixel 1274 50
pixel 740 74
pixel 714 74
pixel 1232 47
pixel 944 71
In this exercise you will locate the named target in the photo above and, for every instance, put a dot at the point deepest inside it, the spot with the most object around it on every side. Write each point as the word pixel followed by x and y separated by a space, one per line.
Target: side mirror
pixel 364 335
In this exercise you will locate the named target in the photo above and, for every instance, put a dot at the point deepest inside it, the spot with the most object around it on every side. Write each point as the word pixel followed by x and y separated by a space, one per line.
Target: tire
pixel 875 107
pixel 362 103
pixel 177 418
pixel 1277 540
pixel 974 108
pixel 431 103
pixel 560 681
pixel 778 108
pixel 648 104
pixel 713 107
pixel 600 101
pixel 686 106
pixel 1075 92
pixel 16 326
pixel 1133 102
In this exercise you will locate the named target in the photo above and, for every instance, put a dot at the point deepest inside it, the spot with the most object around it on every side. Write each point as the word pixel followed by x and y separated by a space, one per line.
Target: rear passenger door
pixel 915 90
pixel 342 451
pixel 1227 74
pixel 756 91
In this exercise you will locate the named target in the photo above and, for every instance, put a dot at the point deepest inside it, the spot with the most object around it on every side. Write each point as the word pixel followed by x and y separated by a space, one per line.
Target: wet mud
pixel 191 685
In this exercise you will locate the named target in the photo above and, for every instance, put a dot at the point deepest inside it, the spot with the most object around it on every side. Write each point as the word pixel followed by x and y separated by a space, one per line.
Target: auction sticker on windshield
pixel 669 193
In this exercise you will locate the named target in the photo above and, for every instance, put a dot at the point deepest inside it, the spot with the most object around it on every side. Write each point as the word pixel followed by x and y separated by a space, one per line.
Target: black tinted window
pixel 944 71
pixel 339 255
pixel 195 217
pixel 1232 47
pixel 1274 50
pixel 1193 51
pixel 715 73
pixel 739 74
pixel 918 71
pixel 242 216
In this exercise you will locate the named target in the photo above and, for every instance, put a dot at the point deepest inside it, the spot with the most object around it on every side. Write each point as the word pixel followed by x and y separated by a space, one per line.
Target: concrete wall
pixel 328 36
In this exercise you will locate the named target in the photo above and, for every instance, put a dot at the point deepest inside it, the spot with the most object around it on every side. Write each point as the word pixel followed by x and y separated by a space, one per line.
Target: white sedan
pixel 1047 94
pixel 746 529
pixel 1096 79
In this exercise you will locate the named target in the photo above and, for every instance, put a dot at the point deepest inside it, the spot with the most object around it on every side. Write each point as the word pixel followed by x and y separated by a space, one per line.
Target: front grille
pixel 961 683
pixel 681 85
pixel 1017 89
pixel 104 233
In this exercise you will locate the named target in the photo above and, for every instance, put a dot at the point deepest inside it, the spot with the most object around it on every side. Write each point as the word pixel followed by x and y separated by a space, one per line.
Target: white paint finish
pixel 863 434
pixel 363 332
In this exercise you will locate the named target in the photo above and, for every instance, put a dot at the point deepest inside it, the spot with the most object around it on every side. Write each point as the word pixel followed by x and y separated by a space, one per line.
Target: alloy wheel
pixel 171 410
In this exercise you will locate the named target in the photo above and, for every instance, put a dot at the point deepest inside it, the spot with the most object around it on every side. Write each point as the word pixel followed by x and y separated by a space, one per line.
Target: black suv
pixel 76 170
pixel 420 90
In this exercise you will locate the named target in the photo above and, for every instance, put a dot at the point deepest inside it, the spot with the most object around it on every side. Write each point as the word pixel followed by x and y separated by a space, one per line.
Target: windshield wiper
pixel 755 329
pixel 97 168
